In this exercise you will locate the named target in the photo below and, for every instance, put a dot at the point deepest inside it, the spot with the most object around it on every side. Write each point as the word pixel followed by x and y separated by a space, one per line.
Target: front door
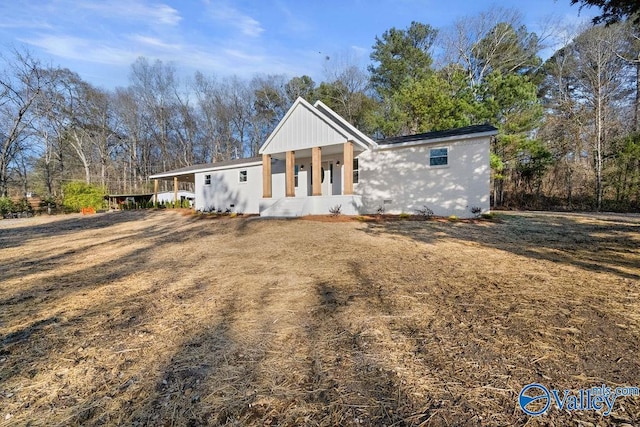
pixel 327 178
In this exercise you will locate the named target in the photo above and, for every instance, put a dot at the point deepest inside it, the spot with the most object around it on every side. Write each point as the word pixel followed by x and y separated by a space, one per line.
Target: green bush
pixel 6 205
pixel 22 206
pixel 78 195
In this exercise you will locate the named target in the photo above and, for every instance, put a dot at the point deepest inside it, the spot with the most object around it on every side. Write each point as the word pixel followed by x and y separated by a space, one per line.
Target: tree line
pixel 569 132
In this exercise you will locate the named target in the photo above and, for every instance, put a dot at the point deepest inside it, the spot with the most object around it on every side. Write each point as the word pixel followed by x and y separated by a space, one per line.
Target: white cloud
pixel 228 15
pixel 29 24
pixel 76 48
pixel 134 10
pixel 155 42
pixel 292 23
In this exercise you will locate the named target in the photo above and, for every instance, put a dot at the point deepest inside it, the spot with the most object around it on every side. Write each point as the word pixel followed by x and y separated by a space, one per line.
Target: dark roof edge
pixel 205 166
pixel 466 130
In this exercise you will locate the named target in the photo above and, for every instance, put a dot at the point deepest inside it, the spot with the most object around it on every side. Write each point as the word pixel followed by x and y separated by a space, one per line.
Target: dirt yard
pixel 167 319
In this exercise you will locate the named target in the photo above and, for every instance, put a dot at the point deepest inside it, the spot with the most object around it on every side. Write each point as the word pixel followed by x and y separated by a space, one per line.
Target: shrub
pixel 424 212
pixel 404 215
pixel 6 205
pixel 78 195
pixel 48 205
pixel 452 218
pixel 22 206
pixel 336 210
pixel 476 210
pixel 380 210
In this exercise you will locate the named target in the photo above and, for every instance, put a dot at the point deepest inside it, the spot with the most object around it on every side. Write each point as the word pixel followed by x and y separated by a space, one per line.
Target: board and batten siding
pixel 227 192
pixel 401 180
pixel 304 130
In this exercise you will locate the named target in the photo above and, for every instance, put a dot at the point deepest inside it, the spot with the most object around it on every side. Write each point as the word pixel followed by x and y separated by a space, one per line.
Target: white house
pixel 315 160
pixel 170 196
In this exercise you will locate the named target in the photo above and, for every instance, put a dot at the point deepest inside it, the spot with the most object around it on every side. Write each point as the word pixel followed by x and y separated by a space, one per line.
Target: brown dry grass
pixel 157 318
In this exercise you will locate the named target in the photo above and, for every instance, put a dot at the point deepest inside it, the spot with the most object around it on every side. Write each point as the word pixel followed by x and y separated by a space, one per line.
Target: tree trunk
pixel 599 108
pixel 636 110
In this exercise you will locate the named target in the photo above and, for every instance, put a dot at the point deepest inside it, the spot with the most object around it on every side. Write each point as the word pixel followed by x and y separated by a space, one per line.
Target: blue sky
pixel 100 39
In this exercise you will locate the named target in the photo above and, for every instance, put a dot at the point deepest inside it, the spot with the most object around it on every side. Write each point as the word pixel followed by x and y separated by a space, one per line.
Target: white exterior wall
pixel 167 196
pixel 226 190
pixel 401 180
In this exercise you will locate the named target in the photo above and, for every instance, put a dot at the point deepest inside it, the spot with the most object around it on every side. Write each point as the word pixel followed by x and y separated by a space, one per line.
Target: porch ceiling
pixel 327 150
pixel 191 177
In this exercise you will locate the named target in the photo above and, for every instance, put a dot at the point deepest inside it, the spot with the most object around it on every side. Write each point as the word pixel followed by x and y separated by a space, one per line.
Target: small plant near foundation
pixel 336 210
pixel 380 210
pixel 404 215
pixel 452 218
pixel 424 212
pixel 476 210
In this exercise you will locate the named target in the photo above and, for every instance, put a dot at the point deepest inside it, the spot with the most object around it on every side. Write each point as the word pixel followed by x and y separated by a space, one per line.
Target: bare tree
pixel 346 89
pixel 495 39
pixel 155 86
pixel 136 161
pixel 600 83
pixel 21 85
pixel 271 102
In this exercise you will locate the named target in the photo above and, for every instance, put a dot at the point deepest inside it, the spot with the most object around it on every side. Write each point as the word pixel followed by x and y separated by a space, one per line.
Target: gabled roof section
pixel 364 139
pixel 466 132
pixel 306 126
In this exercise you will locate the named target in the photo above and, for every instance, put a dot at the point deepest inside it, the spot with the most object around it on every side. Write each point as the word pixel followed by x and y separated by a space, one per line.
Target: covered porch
pixel 311 156
pixel 180 179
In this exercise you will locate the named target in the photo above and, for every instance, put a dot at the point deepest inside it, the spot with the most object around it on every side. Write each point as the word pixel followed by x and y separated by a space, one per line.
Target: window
pixel 356 171
pixel 207 180
pixel 438 157
pixel 330 173
pixel 243 176
pixel 296 169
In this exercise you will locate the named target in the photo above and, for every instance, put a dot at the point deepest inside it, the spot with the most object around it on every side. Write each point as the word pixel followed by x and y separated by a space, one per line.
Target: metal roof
pixel 205 167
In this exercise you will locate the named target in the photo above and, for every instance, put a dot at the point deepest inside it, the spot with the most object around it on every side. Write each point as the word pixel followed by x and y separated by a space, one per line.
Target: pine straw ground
pixel 167 319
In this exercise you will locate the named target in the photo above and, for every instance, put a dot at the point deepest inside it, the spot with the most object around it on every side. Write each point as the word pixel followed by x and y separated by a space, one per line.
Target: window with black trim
pixel 243 176
pixel 207 180
pixel 296 169
pixel 356 171
pixel 439 156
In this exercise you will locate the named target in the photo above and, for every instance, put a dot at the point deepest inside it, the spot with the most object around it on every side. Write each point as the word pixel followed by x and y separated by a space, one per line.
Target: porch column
pixel 316 158
pixel 348 168
pixel 155 191
pixel 266 176
pixel 175 191
pixel 289 173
